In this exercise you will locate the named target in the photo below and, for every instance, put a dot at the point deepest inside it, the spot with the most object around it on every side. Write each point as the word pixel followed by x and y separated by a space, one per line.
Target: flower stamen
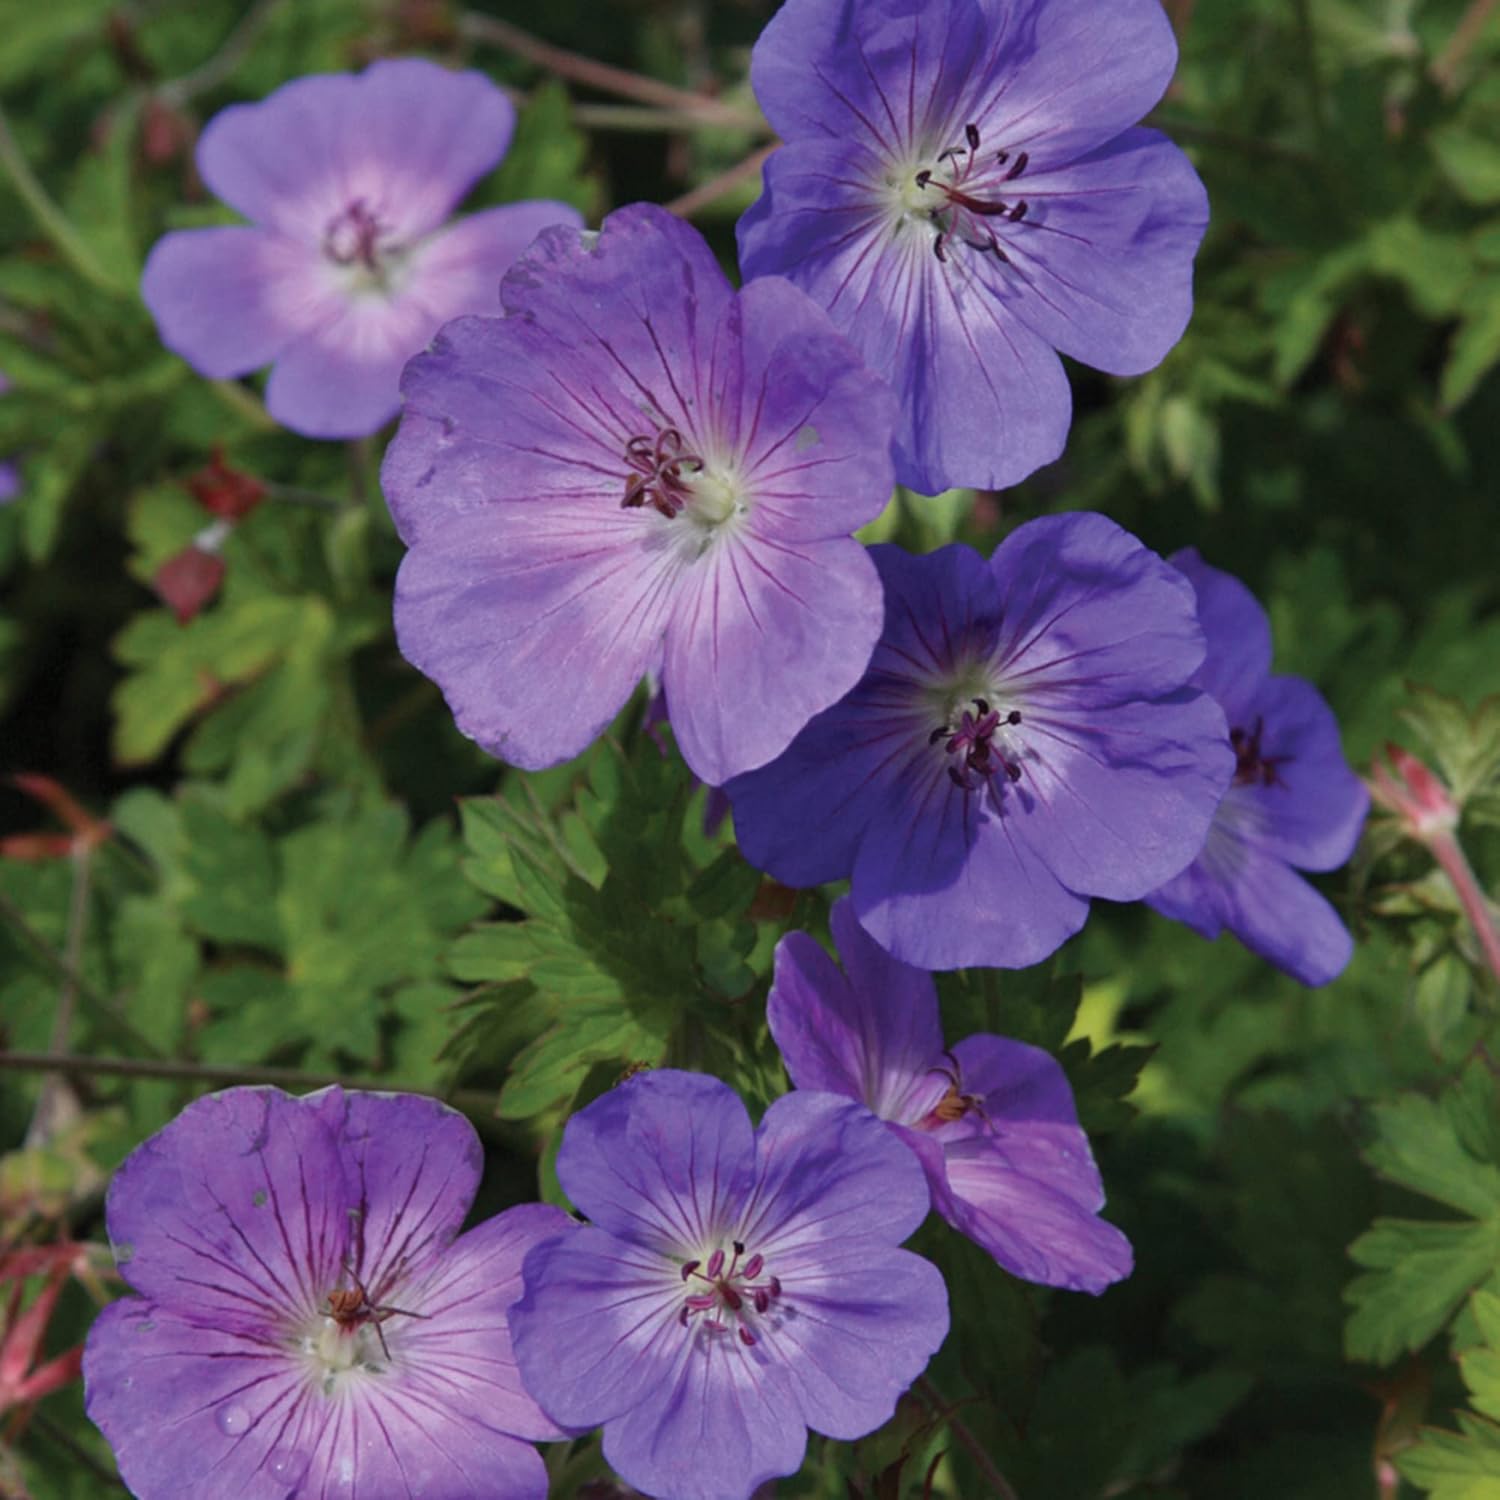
pixel 663 468
pixel 731 1286
pixel 973 740
pixel 1251 763
pixel 966 202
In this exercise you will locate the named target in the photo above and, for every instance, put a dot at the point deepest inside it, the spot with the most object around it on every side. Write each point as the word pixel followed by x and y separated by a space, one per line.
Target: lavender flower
pixel 1021 741
pixel 639 471
pixel 306 1323
pixel 960 188
pixel 1293 803
pixel 992 1121
pixel 734 1288
pixel 345 270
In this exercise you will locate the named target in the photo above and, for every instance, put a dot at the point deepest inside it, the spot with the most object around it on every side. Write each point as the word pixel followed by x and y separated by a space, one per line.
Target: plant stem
pixel 50 219
pixel 1468 31
pixel 641 119
pixel 610 80
pixel 1449 854
pixel 689 203
pixel 474 1101
pixel 105 1011
pixel 983 1462
pixel 235 48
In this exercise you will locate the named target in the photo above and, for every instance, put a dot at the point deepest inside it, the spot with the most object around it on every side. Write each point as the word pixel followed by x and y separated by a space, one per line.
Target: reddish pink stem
pixel 1450 856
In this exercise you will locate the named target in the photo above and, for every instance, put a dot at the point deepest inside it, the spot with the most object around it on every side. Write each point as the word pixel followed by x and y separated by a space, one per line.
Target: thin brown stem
pixel 602 76
pixel 474 1101
pixel 1449 854
pixel 105 1011
pixel 726 182
pixel 1470 28
pixel 982 1461
pixel 636 119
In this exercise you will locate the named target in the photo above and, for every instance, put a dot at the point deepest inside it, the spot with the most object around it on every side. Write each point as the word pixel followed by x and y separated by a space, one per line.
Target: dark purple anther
pixel 973 741
pixel 354 236
pixel 662 467
pixel 754 1266
pixel 715 1265
pixel 746 1337
pixel 730 1289
pixel 1251 764
pixel 968 200
pixel 688 1267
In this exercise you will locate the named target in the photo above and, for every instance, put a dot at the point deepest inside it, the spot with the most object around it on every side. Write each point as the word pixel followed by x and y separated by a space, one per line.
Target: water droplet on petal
pixel 232 1420
pixel 286 1464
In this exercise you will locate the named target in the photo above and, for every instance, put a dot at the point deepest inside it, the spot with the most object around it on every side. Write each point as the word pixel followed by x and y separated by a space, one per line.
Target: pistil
pixel 974 741
pixel 733 1291
pixel 1251 764
pixel 967 206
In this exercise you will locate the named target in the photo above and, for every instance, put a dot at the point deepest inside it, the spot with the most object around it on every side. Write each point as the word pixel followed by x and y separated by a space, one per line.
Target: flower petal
pixel 1264 903
pixel 189 1408
pixel 237 1212
pixel 1073 74
pixel 828 1171
pixel 665 1160
pixel 537 626
pixel 407 137
pixel 942 881
pixel 874 1035
pixel 230 300
pixel 1031 1227
pixel 597 1328
pixel 415 1164
pixel 714 1427
pixel 1092 614
pixel 983 400
pixel 1117 802
pixel 461 267
pixel 459 1353
pixel 764 635
pixel 1236 632
pixel 343 379
pixel 1106 252
pixel 861 1321
pixel 1312 813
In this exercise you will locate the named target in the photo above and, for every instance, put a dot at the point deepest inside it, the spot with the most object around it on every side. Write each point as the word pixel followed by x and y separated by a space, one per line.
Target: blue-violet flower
pixel 1023 739
pixel 639 470
pixel 734 1287
pixel 345 269
pixel 306 1322
pixel 991 1120
pixel 961 187
pixel 1294 803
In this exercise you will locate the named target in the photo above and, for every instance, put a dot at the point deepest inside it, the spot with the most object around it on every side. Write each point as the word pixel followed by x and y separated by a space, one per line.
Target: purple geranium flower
pixel 992 1121
pixel 961 189
pixel 735 1286
pixel 1022 740
pixel 345 271
pixel 1293 802
pixel 306 1321
pixel 638 471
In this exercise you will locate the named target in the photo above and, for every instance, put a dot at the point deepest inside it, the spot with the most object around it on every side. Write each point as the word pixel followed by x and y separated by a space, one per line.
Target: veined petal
pixel 666 1159
pixel 867 1320
pixel 764 635
pixel 1236 633
pixel 405 137
pixel 537 627
pixel 230 300
pixel 237 1213
pixel 415 1164
pixel 1091 615
pixel 458 1351
pixel 714 1426
pixel 461 267
pixel 873 1035
pixel 597 1330
pixel 190 1408
pixel 1120 800
pixel 828 1170
pixel 1105 255
pixel 1031 1227
pixel 1312 812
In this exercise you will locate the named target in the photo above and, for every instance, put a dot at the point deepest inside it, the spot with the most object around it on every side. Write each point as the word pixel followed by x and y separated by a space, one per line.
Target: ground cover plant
pixel 749 749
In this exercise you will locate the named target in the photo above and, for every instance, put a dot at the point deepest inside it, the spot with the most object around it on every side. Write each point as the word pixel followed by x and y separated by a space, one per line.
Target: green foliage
pixel 1418 1272
pixel 633 935
pixel 1465 1465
